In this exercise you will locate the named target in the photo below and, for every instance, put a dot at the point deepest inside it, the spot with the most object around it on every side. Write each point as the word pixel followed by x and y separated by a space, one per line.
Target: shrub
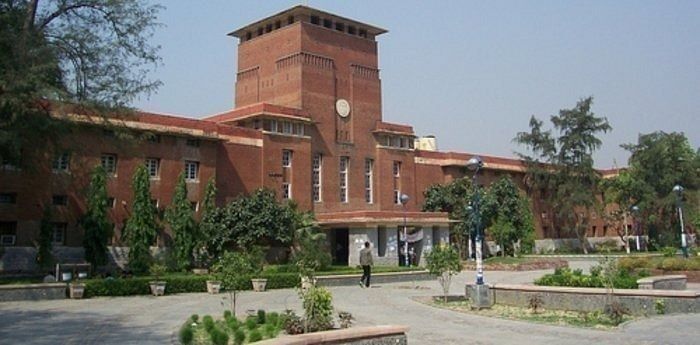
pixel 270 330
pixel 251 322
pixel 632 263
pixel 233 324
pixel 318 308
pixel 238 336
pixel 674 264
pixel 186 334
pixel 345 319
pixel 194 318
pixel 443 261
pixel 616 311
pixel 227 314
pixel 261 316
pixel 660 306
pixel 254 336
pixel 535 303
pixel 273 318
pixel 292 323
pixel 218 337
pixel 607 246
pixel 208 323
pixel 669 252
pixel 621 279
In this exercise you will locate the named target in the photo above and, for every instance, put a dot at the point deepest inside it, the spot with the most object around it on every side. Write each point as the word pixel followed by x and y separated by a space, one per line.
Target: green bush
pixel 186 334
pixel 238 337
pixel 218 337
pixel 254 336
pixel 194 318
pixel 251 322
pixel 318 308
pixel 208 322
pixel 227 314
pixel 669 252
pixel 273 318
pixel 233 324
pixel 261 316
pixel 674 264
pixel 270 330
pixel 621 279
pixel 632 263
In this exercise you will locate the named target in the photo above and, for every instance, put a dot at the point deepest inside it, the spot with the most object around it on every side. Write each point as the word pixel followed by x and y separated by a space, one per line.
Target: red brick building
pixel 307 123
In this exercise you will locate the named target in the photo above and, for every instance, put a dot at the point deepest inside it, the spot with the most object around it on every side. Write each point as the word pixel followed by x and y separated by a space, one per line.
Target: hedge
pixel 178 284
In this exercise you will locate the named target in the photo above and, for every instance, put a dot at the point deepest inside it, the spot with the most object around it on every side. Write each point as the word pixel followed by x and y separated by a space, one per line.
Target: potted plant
pixel 76 288
pixel 157 285
pixel 213 286
pixel 256 260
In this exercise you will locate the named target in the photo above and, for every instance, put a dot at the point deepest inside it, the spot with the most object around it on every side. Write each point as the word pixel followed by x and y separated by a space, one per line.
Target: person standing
pixel 366 262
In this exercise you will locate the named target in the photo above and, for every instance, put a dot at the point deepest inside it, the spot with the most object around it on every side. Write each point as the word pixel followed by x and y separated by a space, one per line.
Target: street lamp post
pixel 404 200
pixel 475 164
pixel 635 221
pixel 470 253
pixel 679 203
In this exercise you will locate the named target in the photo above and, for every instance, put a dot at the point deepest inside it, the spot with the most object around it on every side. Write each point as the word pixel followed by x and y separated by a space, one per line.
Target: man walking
pixel 366 263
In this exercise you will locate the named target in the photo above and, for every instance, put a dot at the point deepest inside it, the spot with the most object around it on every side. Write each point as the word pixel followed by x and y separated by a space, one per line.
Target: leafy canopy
pixel 562 165
pixel 141 228
pixel 91 54
pixel 180 218
pixel 95 222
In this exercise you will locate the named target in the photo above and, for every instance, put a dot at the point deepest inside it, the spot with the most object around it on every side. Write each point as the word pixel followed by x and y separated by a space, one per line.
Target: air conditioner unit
pixel 7 240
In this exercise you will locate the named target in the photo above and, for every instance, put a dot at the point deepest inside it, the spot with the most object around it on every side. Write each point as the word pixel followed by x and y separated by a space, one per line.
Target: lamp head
pixel 635 208
pixel 404 199
pixel 475 163
pixel 678 189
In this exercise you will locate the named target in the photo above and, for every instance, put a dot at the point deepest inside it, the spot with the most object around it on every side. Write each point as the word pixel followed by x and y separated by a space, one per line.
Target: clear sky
pixel 472 73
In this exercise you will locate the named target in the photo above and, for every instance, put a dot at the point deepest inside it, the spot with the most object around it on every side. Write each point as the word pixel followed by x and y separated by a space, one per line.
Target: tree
pixel 454 198
pixel 92 55
pixel 206 231
pixel 507 215
pixel 659 161
pixel 141 228
pixel 443 261
pixel 43 256
pixel 562 166
pixel 179 217
pixel 248 220
pixel 309 252
pixel 95 223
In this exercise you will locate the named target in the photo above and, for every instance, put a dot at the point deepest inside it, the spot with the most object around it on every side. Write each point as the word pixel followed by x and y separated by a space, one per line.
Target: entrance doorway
pixel 340 246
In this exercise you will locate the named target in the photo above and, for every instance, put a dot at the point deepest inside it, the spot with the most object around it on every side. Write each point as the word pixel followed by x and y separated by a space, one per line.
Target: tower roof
pixel 305 13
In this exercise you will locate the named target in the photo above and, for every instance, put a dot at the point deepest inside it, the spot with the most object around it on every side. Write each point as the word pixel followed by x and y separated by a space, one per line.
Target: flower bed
pixel 230 329
pixel 518 264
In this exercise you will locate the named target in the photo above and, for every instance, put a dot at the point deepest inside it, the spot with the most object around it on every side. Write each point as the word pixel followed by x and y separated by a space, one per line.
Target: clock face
pixel 342 107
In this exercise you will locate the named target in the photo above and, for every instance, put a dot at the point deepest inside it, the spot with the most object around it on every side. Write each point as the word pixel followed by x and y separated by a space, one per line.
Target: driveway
pixel 150 320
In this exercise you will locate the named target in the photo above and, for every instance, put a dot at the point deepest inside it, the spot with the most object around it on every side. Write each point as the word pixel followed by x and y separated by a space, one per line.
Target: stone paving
pixel 151 320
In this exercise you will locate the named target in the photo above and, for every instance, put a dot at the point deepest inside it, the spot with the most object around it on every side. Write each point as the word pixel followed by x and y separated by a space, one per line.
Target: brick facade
pixel 293 67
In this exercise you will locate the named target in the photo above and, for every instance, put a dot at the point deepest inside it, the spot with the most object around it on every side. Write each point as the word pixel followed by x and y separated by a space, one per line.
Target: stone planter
pixel 157 288
pixel 200 271
pixel 307 283
pixel 213 286
pixel 76 290
pixel 259 284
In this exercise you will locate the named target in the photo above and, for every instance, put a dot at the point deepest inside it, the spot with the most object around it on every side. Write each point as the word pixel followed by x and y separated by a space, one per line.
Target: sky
pixel 473 73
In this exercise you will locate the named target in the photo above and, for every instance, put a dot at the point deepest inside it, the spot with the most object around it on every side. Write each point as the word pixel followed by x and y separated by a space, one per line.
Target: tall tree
pixel 95 223
pixel 659 161
pixel 179 217
pixel 507 215
pixel 205 230
pixel 93 54
pixel 567 176
pixel 44 257
pixel 142 226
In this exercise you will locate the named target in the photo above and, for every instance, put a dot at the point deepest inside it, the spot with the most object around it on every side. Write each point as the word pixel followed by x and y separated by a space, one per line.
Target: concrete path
pixel 150 320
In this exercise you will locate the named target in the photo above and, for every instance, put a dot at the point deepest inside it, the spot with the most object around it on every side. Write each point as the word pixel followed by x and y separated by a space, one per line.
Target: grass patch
pixel 230 330
pixel 597 320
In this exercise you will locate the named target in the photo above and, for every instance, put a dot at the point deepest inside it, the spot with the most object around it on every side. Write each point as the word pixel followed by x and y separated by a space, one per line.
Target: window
pixel 290 20
pixel 396 170
pixel 327 23
pixel 286 158
pixel 192 142
pixel 8 165
pixel 381 241
pixel 195 206
pixel 340 27
pixel 286 190
pixel 111 202
pixel 8 233
pixel 298 129
pixel 352 30
pixel 363 33
pixel 59 200
pixel 369 166
pixel 153 167
pixel 58 233
pixel 155 202
pixel 344 162
pixel 436 236
pixel 108 133
pixel 286 127
pixel 109 163
pixel 8 198
pixel 316 176
pixel 191 170
pixel 61 162
pixel 315 20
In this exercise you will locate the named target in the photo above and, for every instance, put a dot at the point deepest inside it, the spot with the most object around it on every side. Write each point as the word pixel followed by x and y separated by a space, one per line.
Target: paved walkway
pixel 150 320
